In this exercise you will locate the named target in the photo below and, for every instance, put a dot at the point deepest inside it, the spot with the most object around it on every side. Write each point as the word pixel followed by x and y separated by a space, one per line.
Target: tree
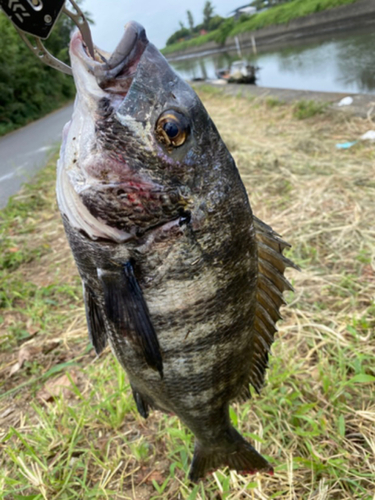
pixel 215 23
pixel 258 4
pixel 208 12
pixel 178 35
pixel 181 25
pixel 190 20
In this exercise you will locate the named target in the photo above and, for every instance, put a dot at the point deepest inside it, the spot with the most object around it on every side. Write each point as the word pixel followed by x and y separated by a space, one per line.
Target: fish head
pixel 141 150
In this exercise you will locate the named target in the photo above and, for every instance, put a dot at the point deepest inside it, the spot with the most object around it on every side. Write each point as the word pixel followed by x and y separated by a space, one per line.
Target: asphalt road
pixel 25 151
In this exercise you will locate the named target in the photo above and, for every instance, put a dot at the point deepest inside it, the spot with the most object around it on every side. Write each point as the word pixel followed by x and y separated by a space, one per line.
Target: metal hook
pixel 81 22
pixel 42 53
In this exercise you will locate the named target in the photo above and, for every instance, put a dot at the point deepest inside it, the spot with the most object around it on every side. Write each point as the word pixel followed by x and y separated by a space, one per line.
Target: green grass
pixel 308 108
pixel 314 419
pixel 25 247
pixel 194 42
pixel 17 221
pixel 271 102
pixel 284 13
pixel 281 14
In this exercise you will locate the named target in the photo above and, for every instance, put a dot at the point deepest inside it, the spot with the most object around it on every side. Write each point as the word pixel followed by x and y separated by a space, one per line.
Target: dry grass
pixel 315 418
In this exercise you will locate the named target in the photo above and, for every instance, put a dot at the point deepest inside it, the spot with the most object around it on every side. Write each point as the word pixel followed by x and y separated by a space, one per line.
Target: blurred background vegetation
pixel 28 88
pixel 266 12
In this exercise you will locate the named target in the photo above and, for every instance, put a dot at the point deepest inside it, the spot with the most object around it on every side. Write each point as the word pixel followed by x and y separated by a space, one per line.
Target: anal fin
pixel 141 403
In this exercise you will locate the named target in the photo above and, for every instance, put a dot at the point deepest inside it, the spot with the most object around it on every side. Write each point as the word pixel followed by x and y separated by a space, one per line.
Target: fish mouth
pixel 114 72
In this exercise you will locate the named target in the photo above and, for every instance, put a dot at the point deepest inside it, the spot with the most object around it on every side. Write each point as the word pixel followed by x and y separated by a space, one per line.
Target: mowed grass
pixel 68 424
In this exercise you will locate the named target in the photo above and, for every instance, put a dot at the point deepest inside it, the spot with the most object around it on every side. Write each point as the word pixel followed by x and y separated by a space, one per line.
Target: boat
pixel 239 72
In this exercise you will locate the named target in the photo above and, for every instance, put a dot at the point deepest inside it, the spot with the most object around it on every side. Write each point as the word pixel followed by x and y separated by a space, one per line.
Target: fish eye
pixel 172 128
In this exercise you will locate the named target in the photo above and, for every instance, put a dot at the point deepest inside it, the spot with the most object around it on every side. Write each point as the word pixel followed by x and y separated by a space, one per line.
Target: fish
pixel 179 277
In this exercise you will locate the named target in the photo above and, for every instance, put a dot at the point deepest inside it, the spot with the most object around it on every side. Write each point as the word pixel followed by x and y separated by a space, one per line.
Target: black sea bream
pixel 178 277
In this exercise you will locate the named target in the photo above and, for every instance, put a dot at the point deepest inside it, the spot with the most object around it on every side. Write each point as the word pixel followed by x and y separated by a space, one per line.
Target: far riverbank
pixel 357 16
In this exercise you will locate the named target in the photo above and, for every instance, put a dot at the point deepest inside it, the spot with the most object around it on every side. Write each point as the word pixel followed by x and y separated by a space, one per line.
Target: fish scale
pixel 179 278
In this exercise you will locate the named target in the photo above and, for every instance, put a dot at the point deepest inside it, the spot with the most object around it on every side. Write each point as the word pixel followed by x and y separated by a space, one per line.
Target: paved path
pixel 25 151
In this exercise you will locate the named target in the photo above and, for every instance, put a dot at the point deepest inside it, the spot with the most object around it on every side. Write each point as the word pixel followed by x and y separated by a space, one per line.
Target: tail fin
pixel 240 456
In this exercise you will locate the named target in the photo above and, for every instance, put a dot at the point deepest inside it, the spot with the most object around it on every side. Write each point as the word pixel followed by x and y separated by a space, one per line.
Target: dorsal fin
pixel 271 285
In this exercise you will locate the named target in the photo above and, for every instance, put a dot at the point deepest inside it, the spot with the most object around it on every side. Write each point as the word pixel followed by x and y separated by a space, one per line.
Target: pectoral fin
pixel 126 308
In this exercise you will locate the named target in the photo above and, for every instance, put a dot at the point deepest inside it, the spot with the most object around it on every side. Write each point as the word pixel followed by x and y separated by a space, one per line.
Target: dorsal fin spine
pixel 271 285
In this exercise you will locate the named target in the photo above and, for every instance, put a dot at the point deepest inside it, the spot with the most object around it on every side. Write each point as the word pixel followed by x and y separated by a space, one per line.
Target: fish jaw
pixel 83 166
pixel 112 73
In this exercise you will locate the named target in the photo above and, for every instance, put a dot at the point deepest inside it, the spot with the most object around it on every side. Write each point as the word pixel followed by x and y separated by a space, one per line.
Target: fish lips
pixel 134 61
pixel 113 72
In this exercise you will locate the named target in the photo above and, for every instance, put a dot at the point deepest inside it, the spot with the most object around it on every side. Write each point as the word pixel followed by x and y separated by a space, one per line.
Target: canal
pixel 339 63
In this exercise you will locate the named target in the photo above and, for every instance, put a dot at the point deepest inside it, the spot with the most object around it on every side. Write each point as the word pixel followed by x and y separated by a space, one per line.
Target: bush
pixel 28 88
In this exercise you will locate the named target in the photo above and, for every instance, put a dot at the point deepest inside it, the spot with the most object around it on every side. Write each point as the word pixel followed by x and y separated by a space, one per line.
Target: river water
pixel 334 64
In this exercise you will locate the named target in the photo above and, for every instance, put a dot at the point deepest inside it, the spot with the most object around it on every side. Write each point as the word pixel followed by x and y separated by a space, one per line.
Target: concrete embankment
pixel 357 16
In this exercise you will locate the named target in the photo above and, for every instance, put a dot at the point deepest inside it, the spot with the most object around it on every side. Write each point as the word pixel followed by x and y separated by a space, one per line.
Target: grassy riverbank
pixel 68 424
pixel 281 14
